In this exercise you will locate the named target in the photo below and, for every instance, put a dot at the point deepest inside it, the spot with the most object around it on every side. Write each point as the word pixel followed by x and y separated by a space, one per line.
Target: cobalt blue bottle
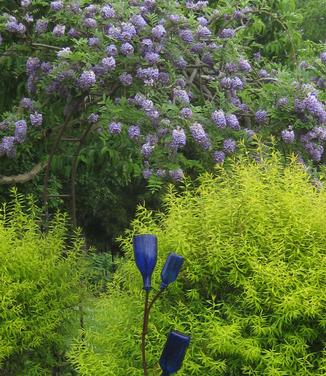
pixel 145 250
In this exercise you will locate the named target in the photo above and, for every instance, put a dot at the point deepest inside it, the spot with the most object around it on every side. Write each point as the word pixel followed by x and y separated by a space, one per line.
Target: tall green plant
pixel 39 288
pixel 252 292
pixel 282 29
pixel 314 16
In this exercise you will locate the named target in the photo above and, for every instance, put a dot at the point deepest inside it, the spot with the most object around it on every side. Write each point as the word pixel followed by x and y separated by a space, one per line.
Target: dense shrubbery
pixel 170 76
pixel 40 291
pixel 232 91
pixel 173 86
pixel 252 292
pixel 313 19
pixel 284 29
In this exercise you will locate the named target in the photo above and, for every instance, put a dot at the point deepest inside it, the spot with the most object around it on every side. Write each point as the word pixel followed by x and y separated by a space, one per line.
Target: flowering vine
pixel 169 75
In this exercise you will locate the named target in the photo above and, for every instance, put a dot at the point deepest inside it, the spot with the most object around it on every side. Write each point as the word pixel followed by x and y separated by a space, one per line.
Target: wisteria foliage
pixel 170 75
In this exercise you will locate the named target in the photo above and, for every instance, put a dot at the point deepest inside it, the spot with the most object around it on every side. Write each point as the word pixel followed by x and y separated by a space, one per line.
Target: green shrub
pixel 313 23
pixel 252 292
pixel 39 290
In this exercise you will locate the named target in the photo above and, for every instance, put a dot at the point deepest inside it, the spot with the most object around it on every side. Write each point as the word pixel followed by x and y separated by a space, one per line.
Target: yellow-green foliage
pixel 39 289
pixel 252 291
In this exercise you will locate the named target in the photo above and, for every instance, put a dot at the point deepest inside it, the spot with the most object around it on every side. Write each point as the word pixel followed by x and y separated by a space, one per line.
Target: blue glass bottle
pixel 171 269
pixel 174 352
pixel 145 250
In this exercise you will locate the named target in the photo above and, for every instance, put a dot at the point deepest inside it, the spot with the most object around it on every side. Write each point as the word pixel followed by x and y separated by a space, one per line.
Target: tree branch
pixel 52 152
pixel 42 45
pixel 23 178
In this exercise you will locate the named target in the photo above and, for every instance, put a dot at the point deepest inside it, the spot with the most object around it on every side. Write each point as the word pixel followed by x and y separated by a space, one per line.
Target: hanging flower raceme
pixel 178 138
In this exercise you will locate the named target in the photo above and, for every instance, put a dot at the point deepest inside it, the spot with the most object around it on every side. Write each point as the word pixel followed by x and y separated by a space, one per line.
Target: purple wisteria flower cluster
pixel 288 136
pixel 181 78
pixel 20 127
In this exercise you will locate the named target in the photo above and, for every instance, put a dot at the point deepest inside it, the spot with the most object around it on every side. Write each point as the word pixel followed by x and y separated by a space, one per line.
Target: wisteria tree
pixel 176 80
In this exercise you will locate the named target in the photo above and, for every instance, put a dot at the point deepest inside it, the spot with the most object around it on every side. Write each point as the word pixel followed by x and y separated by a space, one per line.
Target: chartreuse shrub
pixel 39 290
pixel 252 290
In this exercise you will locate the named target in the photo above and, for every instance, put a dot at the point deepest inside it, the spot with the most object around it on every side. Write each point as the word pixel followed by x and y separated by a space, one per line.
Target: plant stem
pixel 51 156
pixel 143 338
pixel 73 176
pixel 154 300
pixel 147 308
pixel 46 46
